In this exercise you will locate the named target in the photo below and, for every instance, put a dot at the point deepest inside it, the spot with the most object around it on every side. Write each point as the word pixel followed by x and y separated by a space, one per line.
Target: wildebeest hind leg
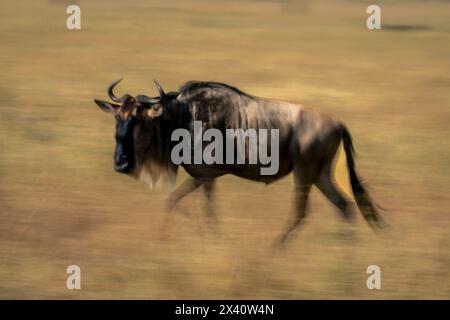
pixel 327 185
pixel 303 178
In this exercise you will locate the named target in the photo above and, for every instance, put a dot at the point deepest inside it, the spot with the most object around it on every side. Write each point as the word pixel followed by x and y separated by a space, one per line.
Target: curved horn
pixel 111 94
pixel 160 89
pixel 144 99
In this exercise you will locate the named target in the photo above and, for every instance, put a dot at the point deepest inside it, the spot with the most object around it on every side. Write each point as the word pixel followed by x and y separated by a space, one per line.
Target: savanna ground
pixel 61 203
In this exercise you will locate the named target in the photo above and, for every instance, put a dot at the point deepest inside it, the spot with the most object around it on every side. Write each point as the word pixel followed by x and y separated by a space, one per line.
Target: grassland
pixel 61 202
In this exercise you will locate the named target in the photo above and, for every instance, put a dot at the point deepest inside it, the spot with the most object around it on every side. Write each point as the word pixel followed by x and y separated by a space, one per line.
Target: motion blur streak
pixel 61 203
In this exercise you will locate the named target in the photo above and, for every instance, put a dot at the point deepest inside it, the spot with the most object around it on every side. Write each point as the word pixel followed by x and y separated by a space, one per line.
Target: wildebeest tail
pixel 363 200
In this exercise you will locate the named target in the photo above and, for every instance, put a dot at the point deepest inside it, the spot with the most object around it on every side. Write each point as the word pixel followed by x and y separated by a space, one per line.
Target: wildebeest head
pixel 132 114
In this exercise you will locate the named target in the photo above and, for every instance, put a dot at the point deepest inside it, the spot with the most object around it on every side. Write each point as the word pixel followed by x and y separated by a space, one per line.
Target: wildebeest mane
pixel 190 87
pixel 238 108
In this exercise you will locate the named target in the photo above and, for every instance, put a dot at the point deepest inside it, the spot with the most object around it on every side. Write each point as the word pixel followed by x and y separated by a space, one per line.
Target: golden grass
pixel 62 204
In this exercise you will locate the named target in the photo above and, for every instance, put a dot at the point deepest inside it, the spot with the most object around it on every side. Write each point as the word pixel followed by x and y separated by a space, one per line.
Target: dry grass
pixel 61 203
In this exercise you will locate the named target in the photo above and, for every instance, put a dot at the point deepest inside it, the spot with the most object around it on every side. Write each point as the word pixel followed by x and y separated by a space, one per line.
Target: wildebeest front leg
pixel 179 193
pixel 183 190
pixel 210 211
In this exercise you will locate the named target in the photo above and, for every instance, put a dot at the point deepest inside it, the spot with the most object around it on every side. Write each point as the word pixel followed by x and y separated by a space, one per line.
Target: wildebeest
pixel 308 142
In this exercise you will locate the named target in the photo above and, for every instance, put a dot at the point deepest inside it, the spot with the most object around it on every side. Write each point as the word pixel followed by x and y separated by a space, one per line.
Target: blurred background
pixel 61 203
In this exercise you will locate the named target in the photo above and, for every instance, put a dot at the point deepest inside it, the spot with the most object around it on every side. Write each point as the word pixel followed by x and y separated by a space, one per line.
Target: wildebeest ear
pixel 106 106
pixel 154 111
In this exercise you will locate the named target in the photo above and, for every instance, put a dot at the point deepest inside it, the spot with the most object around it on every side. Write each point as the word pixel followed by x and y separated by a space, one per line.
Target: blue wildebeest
pixel 308 142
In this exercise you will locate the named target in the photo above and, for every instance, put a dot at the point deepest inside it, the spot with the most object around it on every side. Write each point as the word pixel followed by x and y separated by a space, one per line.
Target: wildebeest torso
pixel 223 107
